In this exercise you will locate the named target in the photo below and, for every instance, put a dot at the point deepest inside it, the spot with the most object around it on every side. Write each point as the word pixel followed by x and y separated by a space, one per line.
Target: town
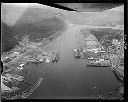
pixel 113 56
pixel 15 61
pixel 102 56
pixel 95 56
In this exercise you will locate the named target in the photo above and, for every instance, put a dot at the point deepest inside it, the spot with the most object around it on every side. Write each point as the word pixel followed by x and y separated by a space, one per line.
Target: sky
pixel 119 8
pixel 13 16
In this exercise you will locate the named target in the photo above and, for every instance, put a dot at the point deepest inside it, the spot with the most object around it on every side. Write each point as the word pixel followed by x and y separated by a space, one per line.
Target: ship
pixel 56 57
pixel 77 53
pixel 99 63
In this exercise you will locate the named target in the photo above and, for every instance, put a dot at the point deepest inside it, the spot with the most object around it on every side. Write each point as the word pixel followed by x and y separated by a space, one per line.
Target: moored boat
pixel 104 63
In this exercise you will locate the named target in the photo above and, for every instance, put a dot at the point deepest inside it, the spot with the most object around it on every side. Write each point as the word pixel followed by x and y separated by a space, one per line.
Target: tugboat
pixel 77 53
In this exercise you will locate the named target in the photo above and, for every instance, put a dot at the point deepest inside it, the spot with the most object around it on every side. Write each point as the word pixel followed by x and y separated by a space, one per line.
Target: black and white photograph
pixel 62 51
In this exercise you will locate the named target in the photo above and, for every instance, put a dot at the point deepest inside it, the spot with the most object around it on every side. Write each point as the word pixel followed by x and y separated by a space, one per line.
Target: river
pixel 70 78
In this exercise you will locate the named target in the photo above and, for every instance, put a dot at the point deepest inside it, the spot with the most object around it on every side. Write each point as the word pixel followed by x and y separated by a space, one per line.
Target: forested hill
pixel 34 23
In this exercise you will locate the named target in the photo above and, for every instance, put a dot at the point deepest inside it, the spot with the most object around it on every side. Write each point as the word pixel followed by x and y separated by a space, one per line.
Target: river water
pixel 70 78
